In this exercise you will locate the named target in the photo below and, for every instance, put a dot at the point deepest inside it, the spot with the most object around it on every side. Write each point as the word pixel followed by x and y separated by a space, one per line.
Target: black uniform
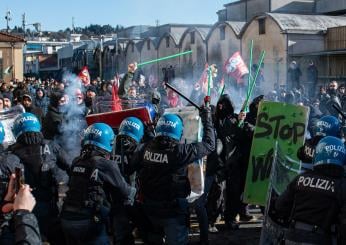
pixel 164 184
pixel 45 178
pixel 314 201
pixel 95 185
pixel 236 141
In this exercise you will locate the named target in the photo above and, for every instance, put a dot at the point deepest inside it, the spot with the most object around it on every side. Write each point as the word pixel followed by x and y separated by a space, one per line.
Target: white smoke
pixel 74 121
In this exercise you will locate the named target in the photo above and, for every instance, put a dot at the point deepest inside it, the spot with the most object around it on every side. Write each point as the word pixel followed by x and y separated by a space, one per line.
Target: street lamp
pixel 36 25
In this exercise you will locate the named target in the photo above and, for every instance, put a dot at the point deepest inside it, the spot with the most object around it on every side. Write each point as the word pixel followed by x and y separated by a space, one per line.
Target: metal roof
pixel 6 37
pixel 236 26
pixel 306 24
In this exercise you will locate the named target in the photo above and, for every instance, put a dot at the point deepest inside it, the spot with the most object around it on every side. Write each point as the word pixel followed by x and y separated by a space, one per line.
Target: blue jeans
pixel 84 232
pixel 201 211
pixel 175 226
pixel 175 229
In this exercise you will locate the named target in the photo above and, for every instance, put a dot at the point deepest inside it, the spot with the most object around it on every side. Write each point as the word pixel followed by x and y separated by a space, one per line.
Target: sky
pixel 57 15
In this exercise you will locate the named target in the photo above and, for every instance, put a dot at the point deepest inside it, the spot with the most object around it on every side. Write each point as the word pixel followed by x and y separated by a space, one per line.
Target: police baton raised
pixel 339 111
pixel 182 95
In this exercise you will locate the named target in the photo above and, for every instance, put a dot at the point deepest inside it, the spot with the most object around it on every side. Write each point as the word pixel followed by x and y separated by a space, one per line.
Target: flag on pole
pixel 84 76
pixel 203 81
pixel 116 102
pixel 236 67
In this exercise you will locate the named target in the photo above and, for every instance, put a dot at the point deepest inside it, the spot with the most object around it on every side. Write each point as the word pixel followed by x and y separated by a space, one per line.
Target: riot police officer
pixel 40 158
pixel 130 134
pixel 8 164
pixel 95 185
pixel 164 185
pixel 316 200
pixel 326 126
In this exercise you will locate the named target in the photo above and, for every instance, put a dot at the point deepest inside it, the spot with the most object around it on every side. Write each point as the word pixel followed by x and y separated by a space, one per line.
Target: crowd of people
pixel 96 185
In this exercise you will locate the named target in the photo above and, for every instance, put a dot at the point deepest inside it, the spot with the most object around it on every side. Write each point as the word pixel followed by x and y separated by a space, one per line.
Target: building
pixel 286 37
pixel 40 57
pixel 11 57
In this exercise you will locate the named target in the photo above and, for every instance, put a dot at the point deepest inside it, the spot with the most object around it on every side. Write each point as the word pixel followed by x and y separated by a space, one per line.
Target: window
pixel 261 26
pixel 167 42
pixel 148 44
pixel 133 47
pixel 222 32
pixel 192 35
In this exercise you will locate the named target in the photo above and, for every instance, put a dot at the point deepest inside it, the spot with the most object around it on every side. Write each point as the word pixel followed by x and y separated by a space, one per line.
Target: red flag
pixel 116 102
pixel 203 81
pixel 236 67
pixel 84 76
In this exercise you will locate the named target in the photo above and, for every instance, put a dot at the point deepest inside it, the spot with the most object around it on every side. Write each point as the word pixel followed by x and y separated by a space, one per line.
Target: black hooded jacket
pixel 235 138
pixel 53 120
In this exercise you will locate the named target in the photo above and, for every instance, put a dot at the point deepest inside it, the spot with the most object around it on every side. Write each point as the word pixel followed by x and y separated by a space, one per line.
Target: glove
pixel 205 113
pixel 131 198
pixel 207 99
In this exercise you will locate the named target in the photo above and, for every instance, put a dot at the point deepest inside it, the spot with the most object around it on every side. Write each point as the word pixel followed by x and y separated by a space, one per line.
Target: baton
pixel 339 111
pixel 182 95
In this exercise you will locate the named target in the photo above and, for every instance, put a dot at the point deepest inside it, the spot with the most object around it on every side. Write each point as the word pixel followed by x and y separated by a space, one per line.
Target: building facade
pixel 11 57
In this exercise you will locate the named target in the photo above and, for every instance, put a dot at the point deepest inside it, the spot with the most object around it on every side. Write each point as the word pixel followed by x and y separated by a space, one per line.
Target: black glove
pixel 205 113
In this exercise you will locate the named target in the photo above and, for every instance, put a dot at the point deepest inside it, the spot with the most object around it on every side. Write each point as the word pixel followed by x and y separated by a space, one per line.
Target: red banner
pixel 236 67
pixel 84 76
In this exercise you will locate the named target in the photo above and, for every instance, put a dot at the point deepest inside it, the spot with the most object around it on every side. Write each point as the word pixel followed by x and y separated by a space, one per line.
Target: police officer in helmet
pixel 164 185
pixel 130 134
pixel 325 126
pixel 95 185
pixel 315 201
pixel 40 159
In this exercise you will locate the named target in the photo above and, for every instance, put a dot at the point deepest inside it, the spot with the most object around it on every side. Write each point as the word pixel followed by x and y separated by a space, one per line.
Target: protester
pixel 41 100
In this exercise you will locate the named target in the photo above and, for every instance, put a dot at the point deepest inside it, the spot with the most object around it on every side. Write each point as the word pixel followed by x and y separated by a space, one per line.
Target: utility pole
pixel 73 27
pixel 23 24
pixel 8 18
pixel 101 51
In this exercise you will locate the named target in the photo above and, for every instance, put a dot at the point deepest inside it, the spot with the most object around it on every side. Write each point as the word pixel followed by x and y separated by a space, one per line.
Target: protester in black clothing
pixel 53 120
pixel 235 134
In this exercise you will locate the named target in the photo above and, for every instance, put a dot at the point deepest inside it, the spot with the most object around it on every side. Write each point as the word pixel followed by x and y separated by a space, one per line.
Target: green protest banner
pixel 281 123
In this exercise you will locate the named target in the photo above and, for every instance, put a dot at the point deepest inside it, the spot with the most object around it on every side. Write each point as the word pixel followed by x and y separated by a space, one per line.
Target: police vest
pixel 85 196
pixel 317 199
pixel 158 180
pixel 39 162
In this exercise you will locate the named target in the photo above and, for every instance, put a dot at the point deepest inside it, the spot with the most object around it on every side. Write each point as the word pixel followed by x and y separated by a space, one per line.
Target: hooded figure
pixel 53 120
pixel 251 117
pixel 235 140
